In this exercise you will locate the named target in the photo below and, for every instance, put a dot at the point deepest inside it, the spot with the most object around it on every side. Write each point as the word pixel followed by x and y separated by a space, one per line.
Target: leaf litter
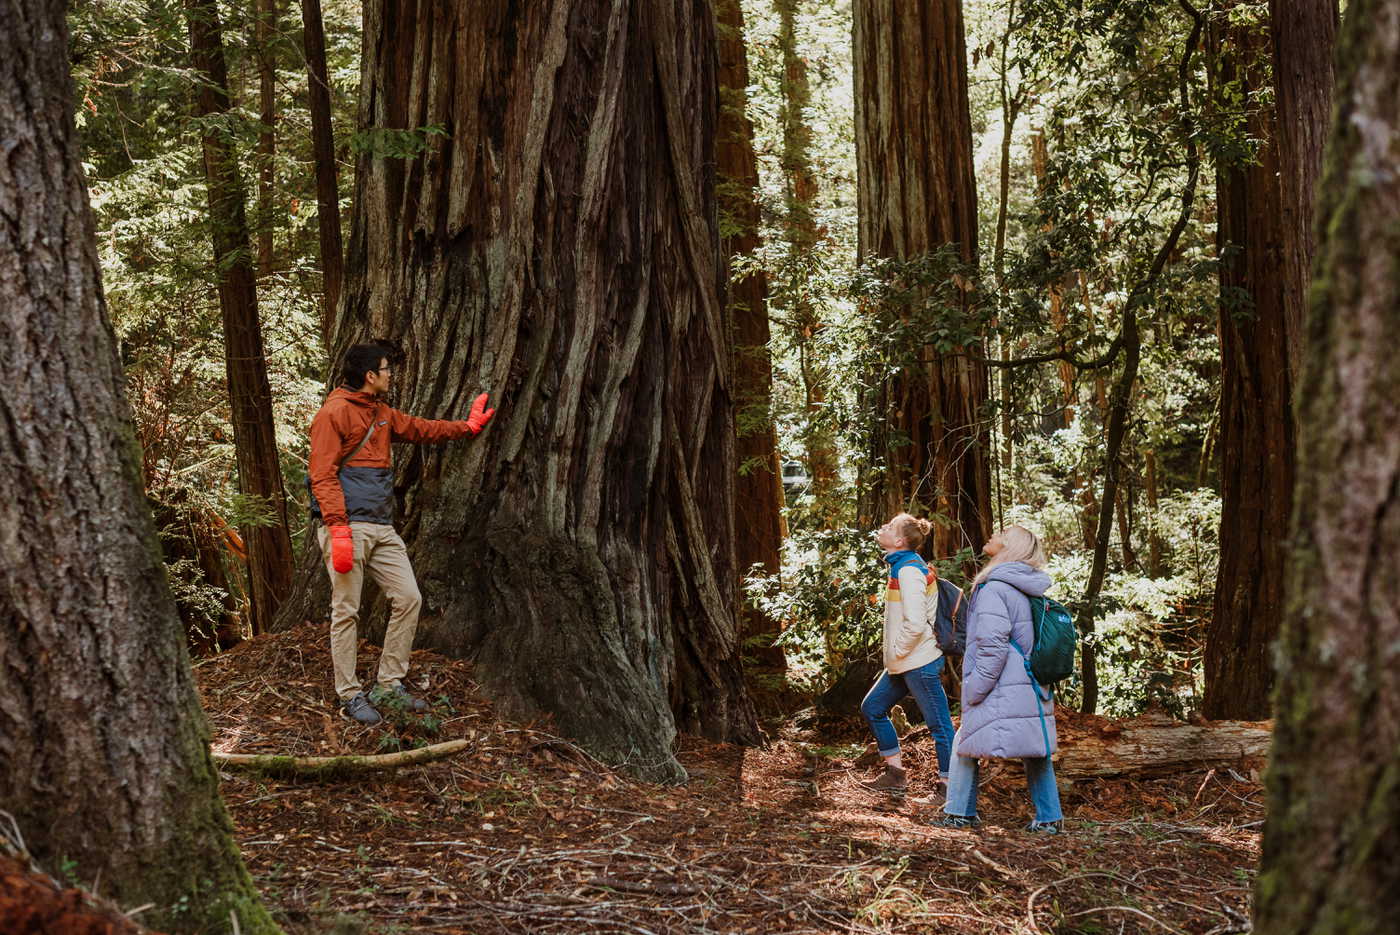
pixel 526 832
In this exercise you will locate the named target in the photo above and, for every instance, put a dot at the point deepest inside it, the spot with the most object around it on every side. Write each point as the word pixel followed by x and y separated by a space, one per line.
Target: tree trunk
pixel 558 247
pixel 758 487
pixel 318 92
pixel 266 42
pixel 105 748
pixel 800 231
pixel 1154 538
pixel 1303 33
pixel 1010 110
pixel 250 398
pixel 1259 338
pixel 917 196
pixel 1120 401
pixel 1329 844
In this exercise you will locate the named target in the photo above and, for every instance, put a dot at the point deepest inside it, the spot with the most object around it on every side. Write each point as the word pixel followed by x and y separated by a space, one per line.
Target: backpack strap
pixel 314 506
pixel 1039 702
pixel 356 450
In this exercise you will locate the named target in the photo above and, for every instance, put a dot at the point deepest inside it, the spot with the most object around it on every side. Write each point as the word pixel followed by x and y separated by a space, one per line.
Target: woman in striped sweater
pixel 913 661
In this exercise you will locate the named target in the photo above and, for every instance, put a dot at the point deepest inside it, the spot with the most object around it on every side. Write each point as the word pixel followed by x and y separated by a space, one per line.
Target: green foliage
pixel 144 164
pixel 828 595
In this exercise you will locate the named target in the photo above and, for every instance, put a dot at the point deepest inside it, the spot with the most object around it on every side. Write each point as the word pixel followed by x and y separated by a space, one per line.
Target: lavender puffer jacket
pixel 1000 706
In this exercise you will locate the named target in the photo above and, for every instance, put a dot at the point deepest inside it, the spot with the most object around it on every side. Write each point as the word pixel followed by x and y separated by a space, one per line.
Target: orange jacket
pixel 362 489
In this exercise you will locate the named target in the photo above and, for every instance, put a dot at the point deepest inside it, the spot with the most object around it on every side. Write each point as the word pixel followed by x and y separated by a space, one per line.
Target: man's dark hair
pixel 363 358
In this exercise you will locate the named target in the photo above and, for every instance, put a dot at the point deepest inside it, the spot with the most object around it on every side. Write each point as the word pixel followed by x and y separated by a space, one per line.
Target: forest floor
pixel 524 832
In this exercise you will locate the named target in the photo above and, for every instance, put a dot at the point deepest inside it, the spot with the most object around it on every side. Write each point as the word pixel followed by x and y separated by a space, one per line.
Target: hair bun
pixel 924 526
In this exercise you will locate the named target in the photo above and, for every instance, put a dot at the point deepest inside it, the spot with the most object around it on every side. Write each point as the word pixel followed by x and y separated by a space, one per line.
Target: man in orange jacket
pixel 352 491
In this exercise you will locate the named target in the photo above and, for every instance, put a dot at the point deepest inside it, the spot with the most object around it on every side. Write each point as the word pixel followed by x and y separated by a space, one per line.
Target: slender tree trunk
pixel 1332 832
pixel 1010 110
pixel 323 153
pixel 758 488
pixel 1265 214
pixel 266 42
pixel 800 230
pixel 250 397
pixel 559 248
pixel 1154 539
pixel 104 746
pixel 1120 400
pixel 917 196
pixel 1125 528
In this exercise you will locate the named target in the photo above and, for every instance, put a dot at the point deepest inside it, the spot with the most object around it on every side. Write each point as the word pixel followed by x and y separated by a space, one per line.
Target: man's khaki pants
pixel 379 551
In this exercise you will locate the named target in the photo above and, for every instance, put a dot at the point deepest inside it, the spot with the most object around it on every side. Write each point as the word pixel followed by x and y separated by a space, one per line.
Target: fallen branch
pixel 325 767
pixel 632 886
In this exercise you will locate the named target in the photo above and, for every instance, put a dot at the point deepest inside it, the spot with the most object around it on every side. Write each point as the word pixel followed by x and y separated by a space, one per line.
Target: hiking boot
pixel 1046 827
pixel 360 709
pixel 892 781
pixel 956 821
pixel 397 697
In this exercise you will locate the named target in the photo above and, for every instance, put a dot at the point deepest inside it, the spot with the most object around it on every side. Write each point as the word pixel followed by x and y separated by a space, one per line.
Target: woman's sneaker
pixel 957 821
pixel 1046 827
pixel 893 781
pixel 360 709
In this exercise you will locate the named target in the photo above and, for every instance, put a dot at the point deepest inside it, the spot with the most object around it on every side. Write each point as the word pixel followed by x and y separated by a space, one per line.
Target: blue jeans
pixel 926 687
pixel 1040 777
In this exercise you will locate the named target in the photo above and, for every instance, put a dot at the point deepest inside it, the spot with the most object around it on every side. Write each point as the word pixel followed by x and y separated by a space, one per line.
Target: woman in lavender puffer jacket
pixel 1004 714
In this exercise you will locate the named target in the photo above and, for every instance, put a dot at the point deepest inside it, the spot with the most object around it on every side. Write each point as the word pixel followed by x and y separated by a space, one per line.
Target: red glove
pixel 342 549
pixel 480 415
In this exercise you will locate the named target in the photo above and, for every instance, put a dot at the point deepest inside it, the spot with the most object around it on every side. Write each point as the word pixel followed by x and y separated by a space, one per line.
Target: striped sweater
pixel 909 639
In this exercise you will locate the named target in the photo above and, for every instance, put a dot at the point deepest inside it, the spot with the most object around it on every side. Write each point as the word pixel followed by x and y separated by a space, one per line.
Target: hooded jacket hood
pixel 354 397
pixel 1022 577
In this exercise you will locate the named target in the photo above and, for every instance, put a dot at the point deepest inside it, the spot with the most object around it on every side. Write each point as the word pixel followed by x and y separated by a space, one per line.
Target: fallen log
pixel 327 767
pixel 1145 745
pixel 1156 743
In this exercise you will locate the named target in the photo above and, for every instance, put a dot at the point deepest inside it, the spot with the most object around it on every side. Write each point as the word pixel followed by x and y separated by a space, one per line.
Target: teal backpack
pixel 1052 657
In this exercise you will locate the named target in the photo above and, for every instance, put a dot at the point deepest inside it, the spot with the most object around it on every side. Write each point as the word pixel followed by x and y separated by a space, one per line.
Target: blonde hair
pixel 911 529
pixel 1018 544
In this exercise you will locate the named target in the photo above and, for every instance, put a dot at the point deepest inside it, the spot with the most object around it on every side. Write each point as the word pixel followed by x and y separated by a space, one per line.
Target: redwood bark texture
pixel 1333 832
pixel 103 744
pixel 318 92
pixel 758 493
pixel 917 195
pixel 1265 216
pixel 558 247
pixel 250 398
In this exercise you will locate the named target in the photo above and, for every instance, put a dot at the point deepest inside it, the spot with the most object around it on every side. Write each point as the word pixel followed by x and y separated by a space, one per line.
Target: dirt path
pixel 525 833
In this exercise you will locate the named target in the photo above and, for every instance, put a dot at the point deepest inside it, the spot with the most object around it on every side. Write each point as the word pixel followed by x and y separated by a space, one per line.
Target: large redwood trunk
pixel 250 397
pixel 758 494
pixel 104 751
pixel 917 196
pixel 1333 829
pixel 1265 213
pixel 558 247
